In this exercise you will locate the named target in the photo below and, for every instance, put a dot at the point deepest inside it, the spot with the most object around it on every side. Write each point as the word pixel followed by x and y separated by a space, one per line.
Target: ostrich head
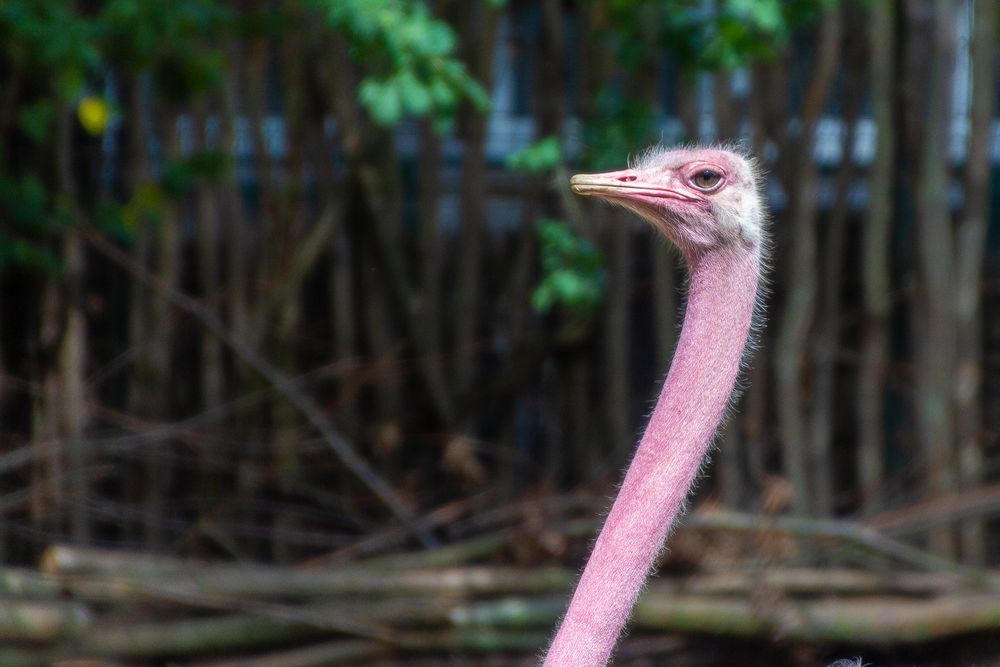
pixel 699 198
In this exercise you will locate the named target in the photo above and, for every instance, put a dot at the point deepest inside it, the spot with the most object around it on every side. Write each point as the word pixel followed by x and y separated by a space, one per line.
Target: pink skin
pixel 718 227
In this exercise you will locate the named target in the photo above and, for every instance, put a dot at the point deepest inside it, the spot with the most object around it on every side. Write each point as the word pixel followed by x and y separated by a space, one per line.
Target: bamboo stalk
pixel 318 655
pixel 451 555
pixel 191 637
pixel 875 260
pixel 481 640
pixel 42 621
pixel 76 560
pixel 243 583
pixel 235 584
pixel 970 247
pixel 66 559
pixel 446 610
pixel 16 657
pixel 832 528
pixel 25 584
pixel 810 581
pixel 521 624
pixel 869 620
pixel 800 309
pixel 874 620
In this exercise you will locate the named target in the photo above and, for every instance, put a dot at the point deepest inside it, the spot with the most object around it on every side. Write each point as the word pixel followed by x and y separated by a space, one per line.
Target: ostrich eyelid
pixel 717 179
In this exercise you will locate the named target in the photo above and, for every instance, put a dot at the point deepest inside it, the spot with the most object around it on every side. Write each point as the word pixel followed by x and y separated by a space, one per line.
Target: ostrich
pixel 708 203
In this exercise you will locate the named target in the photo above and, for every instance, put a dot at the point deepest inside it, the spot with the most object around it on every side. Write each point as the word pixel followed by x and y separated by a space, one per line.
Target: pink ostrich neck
pixel 721 292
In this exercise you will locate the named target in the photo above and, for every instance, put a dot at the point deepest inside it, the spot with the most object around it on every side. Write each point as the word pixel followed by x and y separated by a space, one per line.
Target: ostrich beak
pixel 602 184
pixel 624 184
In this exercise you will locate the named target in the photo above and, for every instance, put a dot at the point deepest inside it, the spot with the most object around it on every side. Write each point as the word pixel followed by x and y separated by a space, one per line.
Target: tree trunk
pixel 211 374
pixel 828 336
pixel 151 320
pixel 73 409
pixel 664 261
pixel 756 420
pixel 876 274
pixel 155 380
pixel 723 109
pixel 429 244
pixel 790 354
pixel 731 451
pixel 480 32
pixel 47 483
pixel 370 153
pixel 284 236
pixel 239 254
pixel 617 301
pixel 935 354
pixel 970 247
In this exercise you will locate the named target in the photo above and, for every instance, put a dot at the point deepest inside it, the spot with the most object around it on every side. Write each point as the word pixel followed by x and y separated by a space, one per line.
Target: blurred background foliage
pixel 278 274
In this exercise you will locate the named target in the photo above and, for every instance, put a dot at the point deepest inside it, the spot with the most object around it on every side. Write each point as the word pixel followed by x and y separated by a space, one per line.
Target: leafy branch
pixel 409 55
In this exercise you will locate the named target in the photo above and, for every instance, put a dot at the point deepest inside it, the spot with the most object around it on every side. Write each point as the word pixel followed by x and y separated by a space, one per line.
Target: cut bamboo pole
pixel 16 657
pixel 318 655
pixel 259 582
pixel 873 620
pixel 832 528
pixel 66 559
pixel 192 637
pixel 521 624
pixel 229 588
pixel 458 610
pixel 27 585
pixel 42 621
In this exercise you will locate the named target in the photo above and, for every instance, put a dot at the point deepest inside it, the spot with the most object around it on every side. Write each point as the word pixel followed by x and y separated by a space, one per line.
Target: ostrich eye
pixel 706 179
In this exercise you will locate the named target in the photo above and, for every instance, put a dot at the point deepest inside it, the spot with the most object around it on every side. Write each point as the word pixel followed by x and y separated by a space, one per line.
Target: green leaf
pixel 69 82
pixel 24 201
pixel 209 166
pixel 382 100
pixel 178 179
pixel 415 96
pixel 25 254
pixel 35 119
pixel 146 205
pixel 573 274
pixel 541 156
pixel 110 217
pixel 444 96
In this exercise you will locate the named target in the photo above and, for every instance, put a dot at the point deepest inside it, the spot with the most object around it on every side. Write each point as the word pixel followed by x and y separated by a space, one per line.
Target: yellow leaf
pixel 93 113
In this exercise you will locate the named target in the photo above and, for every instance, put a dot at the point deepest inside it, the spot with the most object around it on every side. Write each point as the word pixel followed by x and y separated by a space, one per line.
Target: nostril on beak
pixel 626 179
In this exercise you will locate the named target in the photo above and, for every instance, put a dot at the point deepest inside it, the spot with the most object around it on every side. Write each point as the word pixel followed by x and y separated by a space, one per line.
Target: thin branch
pixel 856 533
pixel 338 444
